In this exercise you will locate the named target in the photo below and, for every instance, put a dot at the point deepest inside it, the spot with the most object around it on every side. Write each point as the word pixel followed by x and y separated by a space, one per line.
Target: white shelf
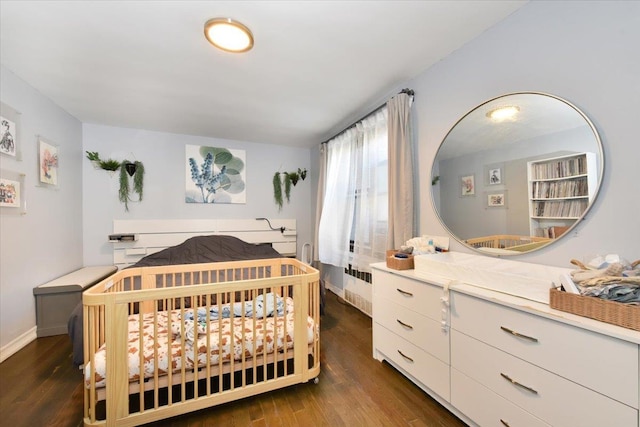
pixel 560 190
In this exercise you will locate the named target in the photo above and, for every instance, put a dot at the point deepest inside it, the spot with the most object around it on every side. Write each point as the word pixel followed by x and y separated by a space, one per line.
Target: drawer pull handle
pixel 404 324
pixel 405 356
pixel 409 294
pixel 512 332
pixel 504 423
pixel 516 383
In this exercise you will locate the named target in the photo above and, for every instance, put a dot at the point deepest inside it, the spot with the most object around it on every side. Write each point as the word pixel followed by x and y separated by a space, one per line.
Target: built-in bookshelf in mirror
pixel 560 190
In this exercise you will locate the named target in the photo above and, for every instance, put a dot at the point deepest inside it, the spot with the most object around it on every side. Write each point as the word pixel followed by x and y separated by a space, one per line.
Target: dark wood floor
pixel 40 387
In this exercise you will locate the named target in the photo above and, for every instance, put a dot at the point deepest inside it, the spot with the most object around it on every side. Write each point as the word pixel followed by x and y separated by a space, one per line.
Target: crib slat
pixel 211 380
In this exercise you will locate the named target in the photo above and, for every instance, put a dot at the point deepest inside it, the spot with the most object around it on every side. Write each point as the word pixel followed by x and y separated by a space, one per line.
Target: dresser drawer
pixel 596 361
pixel 551 398
pixel 412 294
pixel 413 327
pixel 417 363
pixel 485 407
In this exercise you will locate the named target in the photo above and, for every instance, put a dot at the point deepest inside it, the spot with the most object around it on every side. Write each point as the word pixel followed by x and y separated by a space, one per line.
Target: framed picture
pixel 496 199
pixel 494 174
pixel 467 185
pixel 47 162
pixel 214 175
pixel 9 132
pixel 12 197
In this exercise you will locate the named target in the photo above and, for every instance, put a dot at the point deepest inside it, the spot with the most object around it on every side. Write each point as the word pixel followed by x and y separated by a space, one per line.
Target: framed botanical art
pixel 215 175
pixel 467 185
pixel 47 162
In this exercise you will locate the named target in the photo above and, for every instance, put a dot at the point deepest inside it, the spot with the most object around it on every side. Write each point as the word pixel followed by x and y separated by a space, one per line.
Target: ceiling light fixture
pixel 228 35
pixel 503 113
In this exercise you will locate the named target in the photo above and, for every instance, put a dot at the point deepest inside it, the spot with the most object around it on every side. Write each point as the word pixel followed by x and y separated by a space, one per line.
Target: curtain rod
pixel 409 92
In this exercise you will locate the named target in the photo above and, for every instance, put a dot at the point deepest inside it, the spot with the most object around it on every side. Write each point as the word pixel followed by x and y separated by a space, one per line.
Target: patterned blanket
pixel 232 337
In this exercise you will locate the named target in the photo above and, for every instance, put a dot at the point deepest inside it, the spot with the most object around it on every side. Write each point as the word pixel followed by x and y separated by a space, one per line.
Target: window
pixel 356 195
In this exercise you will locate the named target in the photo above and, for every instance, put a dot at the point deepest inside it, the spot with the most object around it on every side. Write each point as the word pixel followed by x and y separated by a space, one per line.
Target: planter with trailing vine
pixel 287 179
pixel 129 170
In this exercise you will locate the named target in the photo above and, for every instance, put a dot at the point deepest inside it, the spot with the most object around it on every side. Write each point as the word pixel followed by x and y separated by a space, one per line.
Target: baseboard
pixel 336 290
pixel 350 298
pixel 17 344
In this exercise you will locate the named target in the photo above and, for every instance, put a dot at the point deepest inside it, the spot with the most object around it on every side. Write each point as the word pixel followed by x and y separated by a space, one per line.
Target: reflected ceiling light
pixel 228 35
pixel 502 113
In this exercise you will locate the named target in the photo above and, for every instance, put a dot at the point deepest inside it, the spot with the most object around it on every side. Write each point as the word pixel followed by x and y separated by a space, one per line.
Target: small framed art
pixel 494 174
pixel 12 193
pixel 497 199
pixel 47 163
pixel 9 132
pixel 467 185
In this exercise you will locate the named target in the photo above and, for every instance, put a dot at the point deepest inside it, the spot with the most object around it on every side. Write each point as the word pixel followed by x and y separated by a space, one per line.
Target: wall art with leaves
pixel 215 175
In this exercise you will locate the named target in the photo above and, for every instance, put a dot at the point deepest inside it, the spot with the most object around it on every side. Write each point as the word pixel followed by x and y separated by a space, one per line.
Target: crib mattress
pixel 188 344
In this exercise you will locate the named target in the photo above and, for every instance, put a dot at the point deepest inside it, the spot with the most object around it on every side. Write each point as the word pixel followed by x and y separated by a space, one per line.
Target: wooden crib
pixel 508 242
pixel 163 341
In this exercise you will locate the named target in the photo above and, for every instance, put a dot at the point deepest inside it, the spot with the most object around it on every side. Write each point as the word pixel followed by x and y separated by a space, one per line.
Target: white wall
pixel 584 52
pixel 163 156
pixel 46 242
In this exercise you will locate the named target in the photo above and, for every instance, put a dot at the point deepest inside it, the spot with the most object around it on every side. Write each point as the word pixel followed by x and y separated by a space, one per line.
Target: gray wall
pixel 163 156
pixel 513 158
pixel 46 242
pixel 584 52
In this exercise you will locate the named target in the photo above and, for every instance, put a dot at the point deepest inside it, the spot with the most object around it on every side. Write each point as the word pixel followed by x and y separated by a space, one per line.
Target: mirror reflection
pixel 517 173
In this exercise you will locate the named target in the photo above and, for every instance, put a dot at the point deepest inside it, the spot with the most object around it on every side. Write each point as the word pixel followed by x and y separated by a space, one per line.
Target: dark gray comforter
pixel 208 249
pixel 195 250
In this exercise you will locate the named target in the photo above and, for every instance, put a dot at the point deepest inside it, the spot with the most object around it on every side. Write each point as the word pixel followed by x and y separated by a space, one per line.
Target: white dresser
pixel 495 359
pixel 407 330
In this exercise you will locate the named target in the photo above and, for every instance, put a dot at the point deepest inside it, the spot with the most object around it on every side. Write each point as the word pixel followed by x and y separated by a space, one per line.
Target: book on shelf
pixel 560 169
pixel 551 232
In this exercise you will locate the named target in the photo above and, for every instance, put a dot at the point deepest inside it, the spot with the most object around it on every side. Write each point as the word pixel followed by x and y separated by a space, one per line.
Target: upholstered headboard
pixel 134 239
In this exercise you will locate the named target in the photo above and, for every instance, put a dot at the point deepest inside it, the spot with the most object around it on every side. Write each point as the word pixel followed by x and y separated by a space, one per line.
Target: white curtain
pixel 322 180
pixel 402 225
pixel 355 206
pixel 334 230
pixel 371 207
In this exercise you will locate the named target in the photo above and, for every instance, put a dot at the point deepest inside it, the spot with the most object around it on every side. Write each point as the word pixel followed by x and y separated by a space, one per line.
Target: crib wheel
pixel 316 380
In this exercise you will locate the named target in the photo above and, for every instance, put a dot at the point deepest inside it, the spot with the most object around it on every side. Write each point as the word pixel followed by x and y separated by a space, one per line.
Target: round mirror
pixel 517 173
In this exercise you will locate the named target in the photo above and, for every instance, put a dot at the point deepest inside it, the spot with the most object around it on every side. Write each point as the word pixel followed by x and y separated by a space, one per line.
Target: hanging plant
pixel 289 178
pixel 108 165
pixel 277 190
pixel 127 170
pixel 287 186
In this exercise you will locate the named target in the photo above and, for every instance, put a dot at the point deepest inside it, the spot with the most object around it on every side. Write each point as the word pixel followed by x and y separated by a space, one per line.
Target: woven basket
pixel 399 263
pixel 615 313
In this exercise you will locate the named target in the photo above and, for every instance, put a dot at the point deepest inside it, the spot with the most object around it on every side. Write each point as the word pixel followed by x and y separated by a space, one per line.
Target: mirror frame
pixel 598 186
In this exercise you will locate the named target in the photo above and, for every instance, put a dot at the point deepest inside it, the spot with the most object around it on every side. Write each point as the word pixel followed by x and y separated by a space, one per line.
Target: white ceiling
pixel 315 68
pixel 539 114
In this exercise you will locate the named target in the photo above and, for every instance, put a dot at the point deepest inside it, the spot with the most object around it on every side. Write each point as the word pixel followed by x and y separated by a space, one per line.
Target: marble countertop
pixel 517 294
